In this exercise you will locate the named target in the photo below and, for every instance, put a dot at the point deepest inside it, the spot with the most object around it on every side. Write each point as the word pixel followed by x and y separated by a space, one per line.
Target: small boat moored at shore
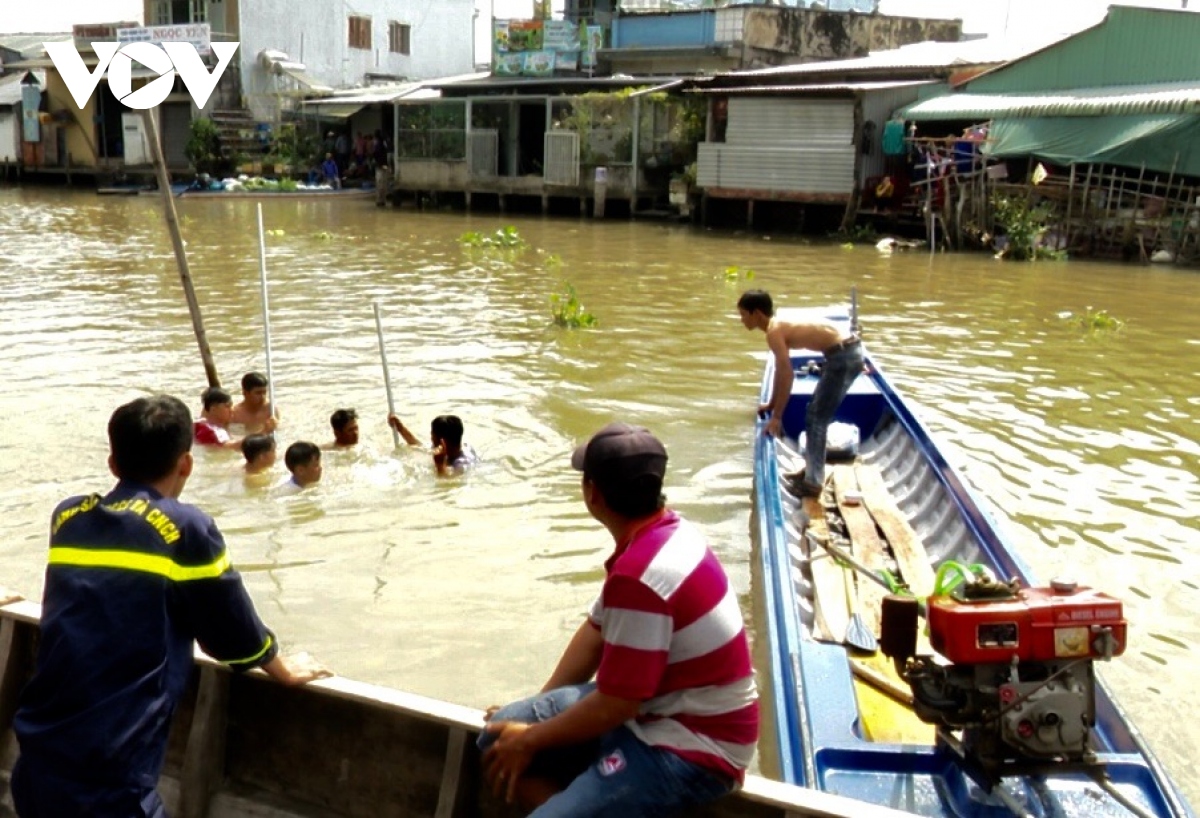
pixel 997 711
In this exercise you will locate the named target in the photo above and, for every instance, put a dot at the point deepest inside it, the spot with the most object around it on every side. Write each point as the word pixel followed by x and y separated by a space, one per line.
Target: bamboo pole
pixel 1185 231
pixel 1133 211
pixel 1066 231
pixel 185 275
pixel 1085 203
pixel 1166 203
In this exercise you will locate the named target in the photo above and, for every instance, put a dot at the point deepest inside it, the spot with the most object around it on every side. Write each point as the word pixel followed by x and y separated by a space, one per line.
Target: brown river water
pixel 467 589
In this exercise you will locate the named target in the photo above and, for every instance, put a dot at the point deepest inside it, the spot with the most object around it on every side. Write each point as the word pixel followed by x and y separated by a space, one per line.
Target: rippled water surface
pixel 467 589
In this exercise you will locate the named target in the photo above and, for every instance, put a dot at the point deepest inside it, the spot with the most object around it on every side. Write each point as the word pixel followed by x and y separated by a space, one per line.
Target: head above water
pixel 300 455
pixel 215 396
pixel 447 429
pixel 345 426
pixel 254 380
pixel 756 301
pixel 627 464
pixel 147 437
pixel 258 447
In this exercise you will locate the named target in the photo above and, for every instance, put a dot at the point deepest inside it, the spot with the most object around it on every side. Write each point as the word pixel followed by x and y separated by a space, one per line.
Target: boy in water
pixel 254 410
pixel 345 429
pixel 260 453
pixel 450 454
pixel 303 460
pixel 212 428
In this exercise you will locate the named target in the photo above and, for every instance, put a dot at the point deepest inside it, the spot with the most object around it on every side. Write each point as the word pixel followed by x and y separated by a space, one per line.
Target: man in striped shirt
pixel 652 707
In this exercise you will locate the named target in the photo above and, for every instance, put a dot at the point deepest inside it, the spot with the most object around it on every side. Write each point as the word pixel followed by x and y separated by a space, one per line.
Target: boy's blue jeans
pixel 617 776
pixel 837 375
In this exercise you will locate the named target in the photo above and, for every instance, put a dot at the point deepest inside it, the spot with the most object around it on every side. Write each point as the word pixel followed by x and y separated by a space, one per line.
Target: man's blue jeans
pixel 838 373
pixel 617 776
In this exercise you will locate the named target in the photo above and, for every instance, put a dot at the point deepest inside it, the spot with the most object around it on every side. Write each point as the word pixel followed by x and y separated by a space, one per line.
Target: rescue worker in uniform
pixel 134 578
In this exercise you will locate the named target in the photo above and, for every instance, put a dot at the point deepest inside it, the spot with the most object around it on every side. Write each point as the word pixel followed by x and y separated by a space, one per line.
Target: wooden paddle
pixel 858 632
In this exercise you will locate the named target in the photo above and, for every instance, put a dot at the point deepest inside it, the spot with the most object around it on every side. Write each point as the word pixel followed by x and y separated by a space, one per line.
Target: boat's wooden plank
pixel 867 546
pixel 829 585
pixel 907 547
pixel 204 761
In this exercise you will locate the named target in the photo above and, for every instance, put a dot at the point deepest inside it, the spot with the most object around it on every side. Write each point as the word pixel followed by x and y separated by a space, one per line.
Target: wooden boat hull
pixel 820 722
pixel 242 745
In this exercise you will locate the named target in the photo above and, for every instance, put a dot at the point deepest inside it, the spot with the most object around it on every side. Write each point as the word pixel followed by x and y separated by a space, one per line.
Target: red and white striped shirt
pixel 674 639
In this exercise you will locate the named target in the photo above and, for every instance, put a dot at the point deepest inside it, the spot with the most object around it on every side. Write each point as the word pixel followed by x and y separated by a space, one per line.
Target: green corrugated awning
pixel 1164 144
pixel 1124 100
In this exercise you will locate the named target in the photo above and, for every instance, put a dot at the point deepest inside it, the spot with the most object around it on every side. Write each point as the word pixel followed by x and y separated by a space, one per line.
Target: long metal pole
pixel 387 378
pixel 185 275
pixel 266 309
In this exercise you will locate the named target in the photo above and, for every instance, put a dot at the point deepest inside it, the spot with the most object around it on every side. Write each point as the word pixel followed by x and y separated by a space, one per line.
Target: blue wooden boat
pixel 844 721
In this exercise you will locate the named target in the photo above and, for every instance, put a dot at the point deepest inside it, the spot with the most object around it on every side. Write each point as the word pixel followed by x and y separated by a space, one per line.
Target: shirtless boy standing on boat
pixel 843 363
pixel 254 409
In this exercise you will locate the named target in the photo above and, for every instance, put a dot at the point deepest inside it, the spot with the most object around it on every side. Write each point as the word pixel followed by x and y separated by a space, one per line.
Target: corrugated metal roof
pixel 10 86
pixel 30 46
pixel 1131 45
pixel 367 96
pixel 986 51
pixel 820 88
pixel 1123 100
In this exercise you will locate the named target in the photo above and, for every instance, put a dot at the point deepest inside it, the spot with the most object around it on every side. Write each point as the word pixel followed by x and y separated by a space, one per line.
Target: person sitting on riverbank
pixel 259 451
pixel 843 363
pixel 303 460
pixel 212 428
pixel 254 409
pixel 345 429
pixel 450 455
pixel 330 172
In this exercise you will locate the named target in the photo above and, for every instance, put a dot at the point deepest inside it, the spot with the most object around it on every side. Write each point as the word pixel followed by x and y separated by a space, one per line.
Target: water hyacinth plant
pixel 1095 321
pixel 506 237
pixel 568 311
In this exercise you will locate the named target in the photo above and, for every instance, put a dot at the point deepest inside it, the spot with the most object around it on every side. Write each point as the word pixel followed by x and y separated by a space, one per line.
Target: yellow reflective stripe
pixel 266 647
pixel 138 561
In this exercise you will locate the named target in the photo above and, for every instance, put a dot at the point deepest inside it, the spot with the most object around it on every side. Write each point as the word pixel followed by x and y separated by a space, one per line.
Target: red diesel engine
pixel 1015 671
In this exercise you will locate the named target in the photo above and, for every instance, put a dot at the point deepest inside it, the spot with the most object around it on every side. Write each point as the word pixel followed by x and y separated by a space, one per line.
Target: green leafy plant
pixel 1024 224
pixel 735 274
pixel 203 148
pixel 505 237
pixel 568 311
pixel 858 234
pixel 1096 321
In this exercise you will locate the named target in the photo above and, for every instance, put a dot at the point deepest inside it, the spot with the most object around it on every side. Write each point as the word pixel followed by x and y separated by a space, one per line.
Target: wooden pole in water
pixel 185 275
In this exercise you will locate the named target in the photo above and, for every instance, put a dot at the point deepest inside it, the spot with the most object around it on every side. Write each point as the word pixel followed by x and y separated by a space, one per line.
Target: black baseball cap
pixel 621 453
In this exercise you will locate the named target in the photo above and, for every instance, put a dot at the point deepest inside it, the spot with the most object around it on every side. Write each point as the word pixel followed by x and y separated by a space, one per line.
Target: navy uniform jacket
pixel 133 579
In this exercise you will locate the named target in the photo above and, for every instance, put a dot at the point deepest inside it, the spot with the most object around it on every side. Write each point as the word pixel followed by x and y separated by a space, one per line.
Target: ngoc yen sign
pixel 166 60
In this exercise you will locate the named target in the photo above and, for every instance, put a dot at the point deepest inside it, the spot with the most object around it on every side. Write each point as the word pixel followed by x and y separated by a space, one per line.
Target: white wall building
pixel 287 45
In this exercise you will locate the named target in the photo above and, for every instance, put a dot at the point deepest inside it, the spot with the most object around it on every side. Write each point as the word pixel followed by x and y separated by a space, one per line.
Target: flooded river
pixel 1085 441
